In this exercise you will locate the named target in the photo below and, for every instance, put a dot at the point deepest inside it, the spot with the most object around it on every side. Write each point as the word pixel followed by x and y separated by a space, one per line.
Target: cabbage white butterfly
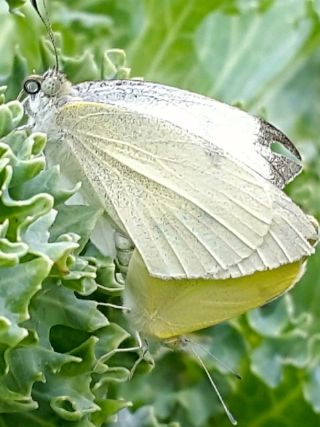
pixel 214 233
pixel 193 182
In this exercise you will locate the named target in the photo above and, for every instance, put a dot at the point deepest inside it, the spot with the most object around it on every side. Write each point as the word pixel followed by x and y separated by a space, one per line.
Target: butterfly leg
pixel 144 355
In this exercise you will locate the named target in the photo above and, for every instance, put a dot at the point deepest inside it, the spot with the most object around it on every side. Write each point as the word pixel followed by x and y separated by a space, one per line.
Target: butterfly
pixel 192 182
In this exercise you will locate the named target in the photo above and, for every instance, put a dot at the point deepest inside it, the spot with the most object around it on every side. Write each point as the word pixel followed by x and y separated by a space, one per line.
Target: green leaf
pixel 10 253
pixel 247 57
pixel 17 287
pixel 47 181
pixel 81 68
pixel 26 366
pixel 60 306
pixel 76 219
pixel 268 359
pixel 108 407
pixel 311 386
pixel 18 73
pixel 144 417
pixel 15 4
pixel 272 319
pixel 36 235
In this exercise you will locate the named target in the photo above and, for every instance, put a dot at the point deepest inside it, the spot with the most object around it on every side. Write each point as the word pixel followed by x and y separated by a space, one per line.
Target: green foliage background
pixel 261 54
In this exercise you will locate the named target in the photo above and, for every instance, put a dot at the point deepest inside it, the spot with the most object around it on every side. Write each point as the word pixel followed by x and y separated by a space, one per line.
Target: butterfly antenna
pixel 46 22
pixel 224 365
pixel 228 413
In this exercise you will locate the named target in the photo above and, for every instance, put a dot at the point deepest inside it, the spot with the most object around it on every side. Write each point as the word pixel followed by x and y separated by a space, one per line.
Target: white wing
pixel 245 137
pixel 190 209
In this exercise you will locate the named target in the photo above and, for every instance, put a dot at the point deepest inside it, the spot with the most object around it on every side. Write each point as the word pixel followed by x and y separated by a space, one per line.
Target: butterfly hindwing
pixel 169 308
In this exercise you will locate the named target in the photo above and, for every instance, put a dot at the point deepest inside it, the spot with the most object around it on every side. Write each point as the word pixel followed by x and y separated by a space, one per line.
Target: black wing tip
pixel 273 134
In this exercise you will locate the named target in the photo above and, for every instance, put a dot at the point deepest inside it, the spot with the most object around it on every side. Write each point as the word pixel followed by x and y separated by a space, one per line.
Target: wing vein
pixel 213 215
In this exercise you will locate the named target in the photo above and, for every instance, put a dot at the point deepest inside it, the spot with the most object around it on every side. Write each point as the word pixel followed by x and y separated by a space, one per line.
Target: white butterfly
pixel 193 182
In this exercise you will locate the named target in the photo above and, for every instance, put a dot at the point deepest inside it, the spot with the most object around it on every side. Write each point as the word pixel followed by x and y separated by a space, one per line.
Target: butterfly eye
pixel 32 86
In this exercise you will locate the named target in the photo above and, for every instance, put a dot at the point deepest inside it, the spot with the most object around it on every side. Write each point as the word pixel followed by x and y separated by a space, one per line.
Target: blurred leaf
pixel 15 4
pixel 144 417
pixel 247 57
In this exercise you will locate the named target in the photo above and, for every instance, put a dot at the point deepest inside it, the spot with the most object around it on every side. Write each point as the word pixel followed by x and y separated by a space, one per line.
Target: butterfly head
pixel 51 84
pixel 42 95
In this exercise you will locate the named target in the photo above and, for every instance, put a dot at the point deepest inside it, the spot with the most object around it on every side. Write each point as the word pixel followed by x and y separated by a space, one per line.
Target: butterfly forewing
pixel 245 137
pixel 190 209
